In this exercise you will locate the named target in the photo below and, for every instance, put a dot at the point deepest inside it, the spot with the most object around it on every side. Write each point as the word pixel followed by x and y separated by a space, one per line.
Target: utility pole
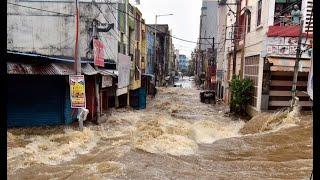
pixel 234 59
pixel 77 59
pixel 97 92
pixel 235 38
pixel 155 50
pixel 296 68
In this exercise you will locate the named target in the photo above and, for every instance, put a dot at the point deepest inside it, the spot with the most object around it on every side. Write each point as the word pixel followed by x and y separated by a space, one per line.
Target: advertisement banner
pixel 98 51
pixel 106 81
pixel 124 70
pixel 77 91
pixel 287 47
pixel 310 80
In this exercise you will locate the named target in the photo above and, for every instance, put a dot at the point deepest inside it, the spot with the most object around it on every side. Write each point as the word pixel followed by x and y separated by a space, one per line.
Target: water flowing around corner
pixel 265 122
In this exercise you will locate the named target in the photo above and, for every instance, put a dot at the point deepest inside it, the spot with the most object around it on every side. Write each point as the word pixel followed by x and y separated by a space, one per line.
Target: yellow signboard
pixel 77 91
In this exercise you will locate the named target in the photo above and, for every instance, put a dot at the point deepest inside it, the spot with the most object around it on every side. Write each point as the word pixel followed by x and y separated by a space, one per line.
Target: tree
pixel 241 94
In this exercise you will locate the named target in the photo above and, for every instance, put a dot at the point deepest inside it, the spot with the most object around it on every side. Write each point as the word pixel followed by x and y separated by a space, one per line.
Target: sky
pixel 184 22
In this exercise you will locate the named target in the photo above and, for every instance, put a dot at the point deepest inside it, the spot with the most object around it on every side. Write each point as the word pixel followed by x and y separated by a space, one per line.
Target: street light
pixel 155 39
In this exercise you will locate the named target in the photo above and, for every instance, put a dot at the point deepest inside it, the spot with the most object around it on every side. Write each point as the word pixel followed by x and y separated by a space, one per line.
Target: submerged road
pixel 176 137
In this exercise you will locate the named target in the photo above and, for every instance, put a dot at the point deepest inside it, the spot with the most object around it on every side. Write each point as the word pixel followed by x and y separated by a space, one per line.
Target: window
pixel 249 21
pixel 282 12
pixel 259 12
pixel 251 71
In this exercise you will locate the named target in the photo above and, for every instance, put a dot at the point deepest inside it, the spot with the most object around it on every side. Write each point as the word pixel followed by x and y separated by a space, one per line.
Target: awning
pixel 151 75
pixel 108 72
pixel 287 64
pixel 47 68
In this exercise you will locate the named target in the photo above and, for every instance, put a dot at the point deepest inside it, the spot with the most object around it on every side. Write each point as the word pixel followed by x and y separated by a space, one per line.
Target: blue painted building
pixel 150 52
pixel 183 63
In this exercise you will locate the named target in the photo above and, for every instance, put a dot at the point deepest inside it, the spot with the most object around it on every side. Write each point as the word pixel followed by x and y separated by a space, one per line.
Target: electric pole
pixel 97 92
pixel 296 67
pixel 155 51
pixel 235 37
pixel 77 59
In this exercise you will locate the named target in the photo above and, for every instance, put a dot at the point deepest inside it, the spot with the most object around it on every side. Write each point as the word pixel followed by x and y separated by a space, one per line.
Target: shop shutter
pixel 35 100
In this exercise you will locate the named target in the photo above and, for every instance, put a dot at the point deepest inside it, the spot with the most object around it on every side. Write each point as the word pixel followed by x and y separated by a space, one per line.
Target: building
pixel 265 51
pixel 150 51
pixel 183 63
pixel 162 52
pixel 40 47
pixel 207 47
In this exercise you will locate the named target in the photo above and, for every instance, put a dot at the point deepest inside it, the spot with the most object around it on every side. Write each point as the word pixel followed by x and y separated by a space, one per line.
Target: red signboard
pixel 98 50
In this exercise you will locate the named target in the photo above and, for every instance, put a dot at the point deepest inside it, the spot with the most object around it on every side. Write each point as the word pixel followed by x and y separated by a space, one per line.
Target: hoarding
pixel 310 80
pixel 287 47
pixel 106 81
pixel 98 50
pixel 124 66
pixel 77 91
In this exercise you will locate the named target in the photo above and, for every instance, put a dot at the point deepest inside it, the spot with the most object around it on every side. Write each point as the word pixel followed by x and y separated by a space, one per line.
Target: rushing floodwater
pixel 176 137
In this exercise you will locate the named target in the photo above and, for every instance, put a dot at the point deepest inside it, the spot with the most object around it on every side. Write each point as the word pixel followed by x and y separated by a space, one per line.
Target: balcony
pixel 283 31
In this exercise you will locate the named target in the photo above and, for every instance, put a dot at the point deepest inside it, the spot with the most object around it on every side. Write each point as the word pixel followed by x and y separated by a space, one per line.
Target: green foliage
pixel 241 90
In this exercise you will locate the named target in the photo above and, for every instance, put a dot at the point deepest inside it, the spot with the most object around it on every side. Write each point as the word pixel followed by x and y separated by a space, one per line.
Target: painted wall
pixel 150 51
pixel 183 62
pixel 51 34
pixel 209 25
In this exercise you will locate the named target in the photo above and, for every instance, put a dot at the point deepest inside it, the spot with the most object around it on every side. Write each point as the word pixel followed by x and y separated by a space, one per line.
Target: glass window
pixel 248 22
pixel 259 12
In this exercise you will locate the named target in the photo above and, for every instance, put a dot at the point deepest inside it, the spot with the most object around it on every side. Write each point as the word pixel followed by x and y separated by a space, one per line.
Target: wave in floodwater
pixel 178 137
pixel 51 149
pixel 271 122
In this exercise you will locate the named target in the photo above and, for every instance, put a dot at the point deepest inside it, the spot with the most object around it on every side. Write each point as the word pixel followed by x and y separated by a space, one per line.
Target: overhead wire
pixel 29 7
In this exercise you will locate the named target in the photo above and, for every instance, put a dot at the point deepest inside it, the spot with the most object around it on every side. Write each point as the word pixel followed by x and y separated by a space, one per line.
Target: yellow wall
pixel 135 84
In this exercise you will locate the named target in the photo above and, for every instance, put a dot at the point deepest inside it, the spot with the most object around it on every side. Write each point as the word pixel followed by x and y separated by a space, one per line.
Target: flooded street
pixel 175 137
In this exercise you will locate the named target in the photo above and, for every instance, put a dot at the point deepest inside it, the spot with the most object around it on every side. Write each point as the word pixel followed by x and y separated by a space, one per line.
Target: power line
pixel 29 7
pixel 157 29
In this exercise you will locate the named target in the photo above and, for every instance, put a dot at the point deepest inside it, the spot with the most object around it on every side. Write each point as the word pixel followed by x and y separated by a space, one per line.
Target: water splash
pixel 271 122
pixel 53 149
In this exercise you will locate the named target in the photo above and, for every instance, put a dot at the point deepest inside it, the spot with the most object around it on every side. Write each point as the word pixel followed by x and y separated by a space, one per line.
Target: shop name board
pixel 287 47
pixel 124 70
pixel 98 50
pixel 106 81
pixel 77 91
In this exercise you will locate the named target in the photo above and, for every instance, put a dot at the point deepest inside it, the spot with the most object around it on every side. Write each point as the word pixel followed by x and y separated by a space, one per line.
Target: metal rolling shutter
pixel 35 100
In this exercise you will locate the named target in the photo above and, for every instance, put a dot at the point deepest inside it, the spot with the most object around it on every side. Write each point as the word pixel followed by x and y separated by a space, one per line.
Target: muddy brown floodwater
pixel 176 137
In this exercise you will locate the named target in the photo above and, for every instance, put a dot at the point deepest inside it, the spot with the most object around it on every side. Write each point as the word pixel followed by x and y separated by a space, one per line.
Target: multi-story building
pixel 150 51
pixel 183 63
pixel 208 34
pixel 143 47
pixel 266 41
pixel 41 40
pixel 42 44
pixel 162 52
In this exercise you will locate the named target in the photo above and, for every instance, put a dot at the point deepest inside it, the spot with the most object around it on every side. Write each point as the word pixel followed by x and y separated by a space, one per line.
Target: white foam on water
pixel 207 132
pixel 57 148
pixel 170 144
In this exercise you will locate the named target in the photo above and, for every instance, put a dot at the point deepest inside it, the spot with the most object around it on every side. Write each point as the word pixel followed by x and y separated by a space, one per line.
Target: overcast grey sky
pixel 184 23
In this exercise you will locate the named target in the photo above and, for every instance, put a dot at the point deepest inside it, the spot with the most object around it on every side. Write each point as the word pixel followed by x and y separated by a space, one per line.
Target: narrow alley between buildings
pixel 175 137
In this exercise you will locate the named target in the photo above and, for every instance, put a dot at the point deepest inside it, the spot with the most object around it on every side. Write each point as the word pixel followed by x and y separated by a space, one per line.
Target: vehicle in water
pixel 208 96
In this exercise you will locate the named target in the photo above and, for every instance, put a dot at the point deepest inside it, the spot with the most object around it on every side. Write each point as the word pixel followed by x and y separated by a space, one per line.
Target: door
pixel 35 100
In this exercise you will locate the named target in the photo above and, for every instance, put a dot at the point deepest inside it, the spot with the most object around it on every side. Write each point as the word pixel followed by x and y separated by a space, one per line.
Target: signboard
pixel 124 70
pixel 287 46
pixel 77 91
pixel 98 50
pixel 310 81
pixel 106 81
